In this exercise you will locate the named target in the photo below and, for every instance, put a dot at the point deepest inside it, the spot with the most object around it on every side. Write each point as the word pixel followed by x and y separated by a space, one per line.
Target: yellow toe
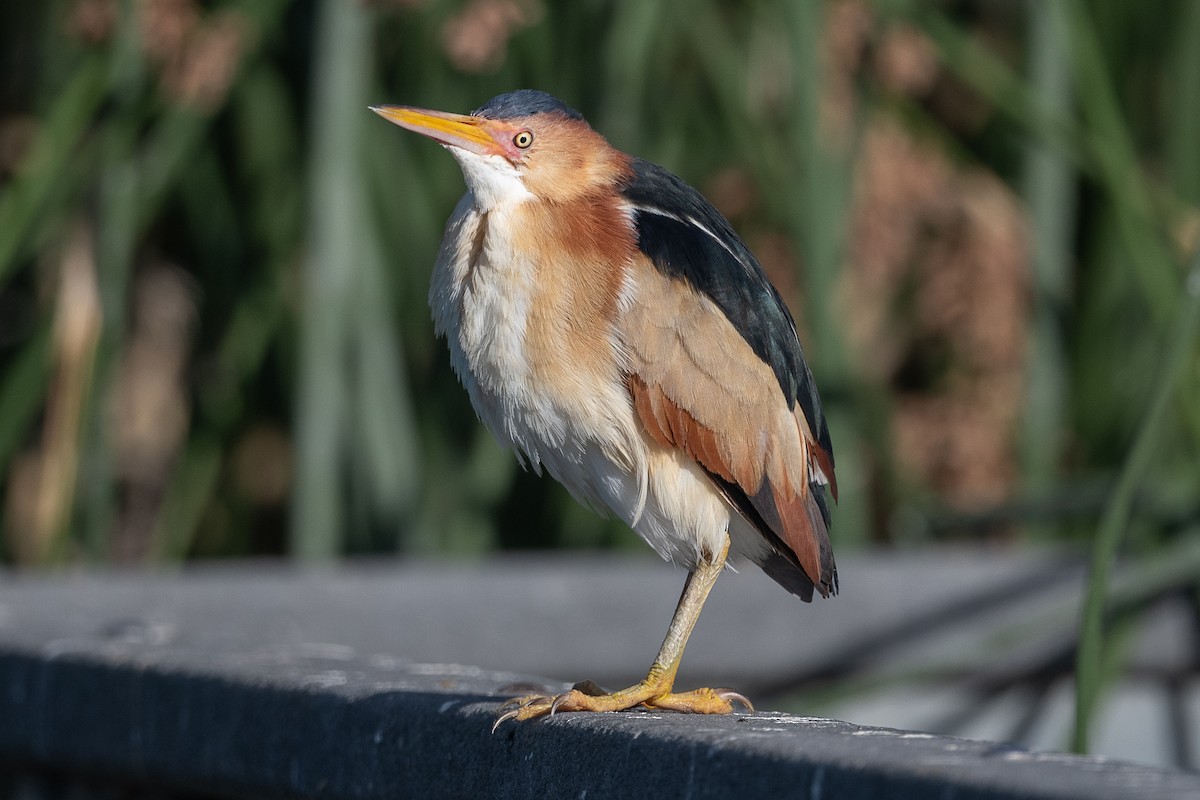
pixel 700 701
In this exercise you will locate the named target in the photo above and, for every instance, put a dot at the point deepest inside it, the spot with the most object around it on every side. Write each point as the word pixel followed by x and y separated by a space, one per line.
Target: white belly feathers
pixel 481 293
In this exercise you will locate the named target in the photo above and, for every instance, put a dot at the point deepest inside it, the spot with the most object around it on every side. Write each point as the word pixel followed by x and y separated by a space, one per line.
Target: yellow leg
pixel 655 689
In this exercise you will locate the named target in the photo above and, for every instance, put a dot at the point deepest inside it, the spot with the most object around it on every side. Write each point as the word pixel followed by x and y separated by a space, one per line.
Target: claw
pixel 558 702
pixel 507 715
pixel 731 696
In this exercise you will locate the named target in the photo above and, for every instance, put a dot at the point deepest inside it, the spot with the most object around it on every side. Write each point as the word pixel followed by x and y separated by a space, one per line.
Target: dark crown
pixel 524 103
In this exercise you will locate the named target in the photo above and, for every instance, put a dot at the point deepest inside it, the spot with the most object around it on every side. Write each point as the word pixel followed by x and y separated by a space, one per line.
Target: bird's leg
pixel 655 689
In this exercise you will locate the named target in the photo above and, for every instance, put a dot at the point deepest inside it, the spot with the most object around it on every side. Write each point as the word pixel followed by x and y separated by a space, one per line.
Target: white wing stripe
pixel 698 226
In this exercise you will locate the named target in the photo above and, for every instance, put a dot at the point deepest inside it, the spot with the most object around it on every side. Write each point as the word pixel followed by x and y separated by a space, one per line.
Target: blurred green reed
pixel 320 416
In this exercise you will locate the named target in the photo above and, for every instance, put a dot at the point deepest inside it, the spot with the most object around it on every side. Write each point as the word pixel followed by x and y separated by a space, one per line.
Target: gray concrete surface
pixel 257 679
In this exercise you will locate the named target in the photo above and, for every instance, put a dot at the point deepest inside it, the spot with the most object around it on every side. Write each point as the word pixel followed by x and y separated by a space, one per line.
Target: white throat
pixel 492 180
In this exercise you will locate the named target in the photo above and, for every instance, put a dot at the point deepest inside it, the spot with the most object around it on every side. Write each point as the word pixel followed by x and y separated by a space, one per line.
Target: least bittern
pixel 612 328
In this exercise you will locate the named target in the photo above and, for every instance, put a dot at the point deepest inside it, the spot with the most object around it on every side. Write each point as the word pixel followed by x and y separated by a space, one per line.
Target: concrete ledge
pixel 305 725
pixel 107 694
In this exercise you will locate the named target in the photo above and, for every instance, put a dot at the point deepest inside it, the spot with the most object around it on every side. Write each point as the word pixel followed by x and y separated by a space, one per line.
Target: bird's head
pixel 519 146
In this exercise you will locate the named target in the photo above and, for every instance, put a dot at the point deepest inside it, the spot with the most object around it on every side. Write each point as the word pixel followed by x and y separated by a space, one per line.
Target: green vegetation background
pixel 214 339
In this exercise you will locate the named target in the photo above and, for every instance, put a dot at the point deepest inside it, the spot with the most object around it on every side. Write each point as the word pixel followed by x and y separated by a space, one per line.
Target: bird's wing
pixel 715 369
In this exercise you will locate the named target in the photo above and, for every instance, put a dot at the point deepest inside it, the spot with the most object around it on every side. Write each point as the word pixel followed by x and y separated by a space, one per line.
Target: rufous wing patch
pixel 670 425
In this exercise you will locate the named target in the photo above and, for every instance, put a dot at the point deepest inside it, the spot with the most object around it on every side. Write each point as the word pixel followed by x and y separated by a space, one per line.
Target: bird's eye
pixel 523 139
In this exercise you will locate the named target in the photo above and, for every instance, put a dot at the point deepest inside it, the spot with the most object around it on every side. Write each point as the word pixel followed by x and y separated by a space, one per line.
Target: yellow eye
pixel 523 139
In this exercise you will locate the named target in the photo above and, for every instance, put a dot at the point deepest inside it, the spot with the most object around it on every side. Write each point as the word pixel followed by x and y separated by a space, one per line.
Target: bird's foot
pixel 587 696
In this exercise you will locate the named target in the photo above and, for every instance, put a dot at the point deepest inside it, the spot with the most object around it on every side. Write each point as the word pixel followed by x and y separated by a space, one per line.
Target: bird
pixel 611 328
